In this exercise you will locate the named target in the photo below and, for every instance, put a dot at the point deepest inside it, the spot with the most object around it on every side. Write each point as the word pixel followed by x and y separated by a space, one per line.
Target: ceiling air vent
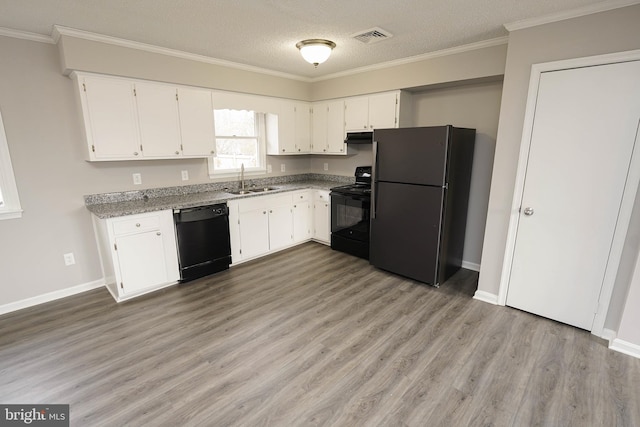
pixel 372 35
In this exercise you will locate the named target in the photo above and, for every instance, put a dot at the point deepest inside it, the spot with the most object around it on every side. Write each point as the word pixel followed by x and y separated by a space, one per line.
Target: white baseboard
pixel 471 266
pixel 625 347
pixel 51 296
pixel 486 297
pixel 608 334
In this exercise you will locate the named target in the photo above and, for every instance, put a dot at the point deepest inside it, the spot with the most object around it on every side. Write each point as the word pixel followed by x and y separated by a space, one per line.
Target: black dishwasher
pixel 203 240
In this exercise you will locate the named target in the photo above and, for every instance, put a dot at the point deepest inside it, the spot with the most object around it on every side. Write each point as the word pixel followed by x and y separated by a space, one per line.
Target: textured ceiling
pixel 263 33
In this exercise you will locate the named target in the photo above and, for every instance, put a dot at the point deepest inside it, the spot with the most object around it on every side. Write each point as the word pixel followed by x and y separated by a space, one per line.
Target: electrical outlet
pixel 185 175
pixel 137 179
pixel 326 166
pixel 269 169
pixel 282 168
pixel 69 259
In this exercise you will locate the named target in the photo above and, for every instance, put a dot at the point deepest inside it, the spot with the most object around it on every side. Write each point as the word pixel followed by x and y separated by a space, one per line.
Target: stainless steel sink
pixel 262 189
pixel 238 192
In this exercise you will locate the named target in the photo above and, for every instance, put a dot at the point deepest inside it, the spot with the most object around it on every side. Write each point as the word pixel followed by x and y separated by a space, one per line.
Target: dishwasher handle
pixel 200 213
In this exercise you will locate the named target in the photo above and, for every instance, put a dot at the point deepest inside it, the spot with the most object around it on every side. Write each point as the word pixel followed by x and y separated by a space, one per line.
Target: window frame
pixel 10 203
pixel 261 169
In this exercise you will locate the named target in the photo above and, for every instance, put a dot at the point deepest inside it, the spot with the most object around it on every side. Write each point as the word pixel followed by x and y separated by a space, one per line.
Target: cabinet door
pixel 322 217
pixel 356 113
pixel 254 233
pixel 196 122
pixel 286 122
pixel 141 261
pixel 280 226
pixel 302 217
pixel 383 110
pixel 302 127
pixel 158 119
pixel 335 128
pixel 111 123
pixel 319 127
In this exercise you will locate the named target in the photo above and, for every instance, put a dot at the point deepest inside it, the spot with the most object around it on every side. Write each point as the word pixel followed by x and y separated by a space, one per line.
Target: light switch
pixel 137 179
pixel 185 175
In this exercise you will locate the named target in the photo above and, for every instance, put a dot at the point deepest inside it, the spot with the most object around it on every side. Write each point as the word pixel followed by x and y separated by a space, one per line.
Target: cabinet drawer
pixel 135 224
pixel 301 197
pixel 322 196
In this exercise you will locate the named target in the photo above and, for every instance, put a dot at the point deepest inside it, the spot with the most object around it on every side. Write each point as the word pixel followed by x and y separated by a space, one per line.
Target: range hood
pixel 359 138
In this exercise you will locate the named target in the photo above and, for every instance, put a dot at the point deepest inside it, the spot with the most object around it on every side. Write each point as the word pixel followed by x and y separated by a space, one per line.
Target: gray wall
pixel 474 106
pixel 600 33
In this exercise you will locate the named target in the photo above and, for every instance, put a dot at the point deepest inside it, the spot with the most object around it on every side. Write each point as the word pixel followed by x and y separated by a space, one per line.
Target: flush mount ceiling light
pixel 315 51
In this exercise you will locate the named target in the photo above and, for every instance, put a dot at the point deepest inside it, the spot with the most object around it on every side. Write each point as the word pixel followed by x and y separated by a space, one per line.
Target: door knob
pixel 528 211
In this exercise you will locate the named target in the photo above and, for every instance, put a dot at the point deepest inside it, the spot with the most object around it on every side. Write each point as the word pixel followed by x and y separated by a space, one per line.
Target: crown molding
pixel 574 13
pixel 59 31
pixel 431 55
pixel 25 35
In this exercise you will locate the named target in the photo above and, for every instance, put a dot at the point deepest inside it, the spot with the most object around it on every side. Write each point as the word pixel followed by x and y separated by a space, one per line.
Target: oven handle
pixel 373 179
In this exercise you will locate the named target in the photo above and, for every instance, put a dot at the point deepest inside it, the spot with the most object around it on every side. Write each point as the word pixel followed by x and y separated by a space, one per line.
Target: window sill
pixel 11 214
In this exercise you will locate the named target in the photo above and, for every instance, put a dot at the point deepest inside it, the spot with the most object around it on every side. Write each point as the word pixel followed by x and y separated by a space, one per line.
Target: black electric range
pixel 350 210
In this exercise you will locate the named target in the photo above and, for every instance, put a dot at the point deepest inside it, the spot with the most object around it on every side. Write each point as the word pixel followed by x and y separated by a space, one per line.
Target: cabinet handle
pixel 177 152
pixel 295 206
pixel 324 149
pixel 298 149
pixel 135 153
pixel 213 152
pixel 264 212
pixel 341 149
pixel 158 234
pixel 283 150
pixel 138 224
pixel 270 211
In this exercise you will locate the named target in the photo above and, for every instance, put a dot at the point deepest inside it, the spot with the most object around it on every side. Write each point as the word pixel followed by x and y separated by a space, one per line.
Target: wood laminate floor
pixel 310 337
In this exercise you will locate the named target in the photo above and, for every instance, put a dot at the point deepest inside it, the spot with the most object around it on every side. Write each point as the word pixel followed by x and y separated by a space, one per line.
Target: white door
pixel 196 122
pixel 382 110
pixel 141 258
pixel 335 128
pixel 111 112
pixel 159 120
pixel 356 113
pixel 584 131
pixel 254 233
pixel 322 217
pixel 280 226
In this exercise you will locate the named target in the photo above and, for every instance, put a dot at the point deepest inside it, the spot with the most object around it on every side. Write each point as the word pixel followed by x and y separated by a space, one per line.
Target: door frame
pixel 628 197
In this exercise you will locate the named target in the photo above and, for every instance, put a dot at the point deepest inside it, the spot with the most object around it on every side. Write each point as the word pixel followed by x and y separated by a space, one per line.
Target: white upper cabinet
pixel 288 131
pixel 128 119
pixel 158 120
pixel 378 111
pixel 302 113
pixel 196 122
pixel 327 128
pixel 111 121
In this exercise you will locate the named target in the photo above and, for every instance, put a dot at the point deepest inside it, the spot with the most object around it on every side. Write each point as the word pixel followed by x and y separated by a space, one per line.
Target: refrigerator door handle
pixel 373 179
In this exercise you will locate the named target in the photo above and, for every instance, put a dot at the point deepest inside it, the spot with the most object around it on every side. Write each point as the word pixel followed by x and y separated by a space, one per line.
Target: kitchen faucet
pixel 242 176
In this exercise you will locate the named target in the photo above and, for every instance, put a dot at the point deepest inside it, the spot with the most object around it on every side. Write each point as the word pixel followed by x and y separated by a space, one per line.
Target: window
pixel 9 201
pixel 240 140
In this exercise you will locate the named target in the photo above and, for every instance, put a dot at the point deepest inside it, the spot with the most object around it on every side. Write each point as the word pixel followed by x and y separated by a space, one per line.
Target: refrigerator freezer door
pixel 412 155
pixel 405 232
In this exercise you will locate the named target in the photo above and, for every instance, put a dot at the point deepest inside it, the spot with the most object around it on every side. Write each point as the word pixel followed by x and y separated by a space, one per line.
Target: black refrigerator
pixel 420 193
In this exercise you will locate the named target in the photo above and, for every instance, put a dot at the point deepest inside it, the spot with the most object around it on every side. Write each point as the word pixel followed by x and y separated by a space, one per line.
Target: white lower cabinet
pixel 138 253
pixel 322 216
pixel 302 216
pixel 264 224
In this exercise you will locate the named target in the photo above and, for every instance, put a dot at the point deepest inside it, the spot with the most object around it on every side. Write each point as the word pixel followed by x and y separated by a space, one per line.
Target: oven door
pixel 350 223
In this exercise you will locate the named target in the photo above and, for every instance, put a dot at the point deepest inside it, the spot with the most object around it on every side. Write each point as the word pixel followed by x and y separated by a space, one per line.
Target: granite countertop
pixel 135 202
